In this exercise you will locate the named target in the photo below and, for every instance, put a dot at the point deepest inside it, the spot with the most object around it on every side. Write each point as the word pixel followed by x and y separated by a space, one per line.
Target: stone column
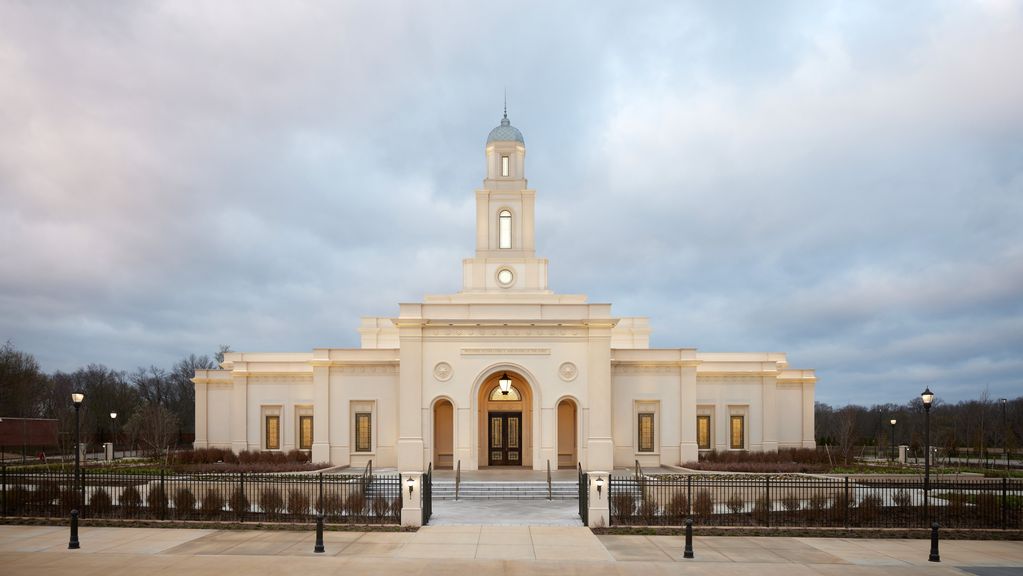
pixel 410 396
pixel 321 408
pixel 689 449
pixel 239 410
pixel 412 506
pixel 201 407
pixel 599 443
pixel 770 410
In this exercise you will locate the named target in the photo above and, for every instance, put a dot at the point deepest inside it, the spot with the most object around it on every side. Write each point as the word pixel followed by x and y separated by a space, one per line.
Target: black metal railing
pixel 428 494
pixel 584 502
pixel 241 497
pixel 815 502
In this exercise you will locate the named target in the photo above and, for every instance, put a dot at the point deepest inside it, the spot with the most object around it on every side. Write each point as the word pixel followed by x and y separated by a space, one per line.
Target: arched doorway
pixel 567 427
pixel 443 435
pixel 505 422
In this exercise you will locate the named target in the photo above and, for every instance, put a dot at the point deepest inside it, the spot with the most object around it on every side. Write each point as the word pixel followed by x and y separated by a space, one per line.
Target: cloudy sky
pixel 841 182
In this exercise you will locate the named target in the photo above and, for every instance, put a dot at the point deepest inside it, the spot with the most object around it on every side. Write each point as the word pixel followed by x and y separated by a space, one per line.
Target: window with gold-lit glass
pixel 646 432
pixel 363 432
pixel 737 433
pixel 512 396
pixel 273 432
pixel 305 432
pixel 703 432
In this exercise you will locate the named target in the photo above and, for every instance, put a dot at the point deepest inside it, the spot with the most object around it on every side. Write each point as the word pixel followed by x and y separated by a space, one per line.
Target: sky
pixel 842 182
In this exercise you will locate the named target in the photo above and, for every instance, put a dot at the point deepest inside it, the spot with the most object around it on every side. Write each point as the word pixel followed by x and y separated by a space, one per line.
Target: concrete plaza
pixel 479 550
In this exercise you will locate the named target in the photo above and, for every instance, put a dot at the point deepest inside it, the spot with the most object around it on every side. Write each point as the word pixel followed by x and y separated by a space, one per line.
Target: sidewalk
pixel 479 550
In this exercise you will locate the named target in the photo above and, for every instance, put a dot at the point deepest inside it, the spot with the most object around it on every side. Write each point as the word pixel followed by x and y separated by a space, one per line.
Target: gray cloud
pixel 839 182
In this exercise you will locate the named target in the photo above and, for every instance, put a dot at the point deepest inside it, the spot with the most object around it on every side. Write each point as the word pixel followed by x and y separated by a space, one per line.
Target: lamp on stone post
pixel 76 399
pixel 927 397
pixel 1005 433
pixel 892 457
pixel 113 435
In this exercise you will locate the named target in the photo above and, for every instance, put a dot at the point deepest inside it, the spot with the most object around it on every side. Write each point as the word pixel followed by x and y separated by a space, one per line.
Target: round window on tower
pixel 505 277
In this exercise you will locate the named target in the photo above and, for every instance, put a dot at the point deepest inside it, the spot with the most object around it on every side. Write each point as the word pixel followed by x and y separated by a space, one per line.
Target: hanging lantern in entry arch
pixel 505 383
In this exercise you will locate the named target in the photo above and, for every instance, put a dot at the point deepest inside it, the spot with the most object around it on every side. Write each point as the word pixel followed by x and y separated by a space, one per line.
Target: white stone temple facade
pixel 504 372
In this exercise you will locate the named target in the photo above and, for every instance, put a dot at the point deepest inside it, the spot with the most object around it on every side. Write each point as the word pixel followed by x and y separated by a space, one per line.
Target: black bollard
pixel 934 557
pixel 73 543
pixel 319 534
pixel 688 553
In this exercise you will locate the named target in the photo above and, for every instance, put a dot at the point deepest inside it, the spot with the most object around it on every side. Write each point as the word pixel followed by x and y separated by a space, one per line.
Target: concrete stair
pixel 527 490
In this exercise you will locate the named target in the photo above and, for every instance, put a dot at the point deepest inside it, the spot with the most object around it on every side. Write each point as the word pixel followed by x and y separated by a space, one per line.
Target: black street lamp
pixel 113 435
pixel 1005 433
pixel 927 397
pixel 893 439
pixel 76 398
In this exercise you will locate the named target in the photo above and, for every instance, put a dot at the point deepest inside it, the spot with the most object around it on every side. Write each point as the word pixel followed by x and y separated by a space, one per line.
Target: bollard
pixel 934 557
pixel 319 534
pixel 73 543
pixel 688 553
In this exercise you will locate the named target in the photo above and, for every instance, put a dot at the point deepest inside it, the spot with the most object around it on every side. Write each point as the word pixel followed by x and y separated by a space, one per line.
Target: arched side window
pixel 504 219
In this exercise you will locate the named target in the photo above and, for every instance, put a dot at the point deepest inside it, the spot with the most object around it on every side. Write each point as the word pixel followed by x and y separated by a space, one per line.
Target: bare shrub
pixel 623 505
pixel 677 508
pixel 184 503
pixel 380 507
pixel 100 503
pixel 762 509
pixel 869 508
pixel 355 504
pixel 271 502
pixel 239 502
pixel 735 503
pixel 331 506
pixel 703 504
pixel 130 501
pixel 298 502
pixel 156 501
pixel 791 502
pixel 648 511
pixel 212 504
pixel 902 499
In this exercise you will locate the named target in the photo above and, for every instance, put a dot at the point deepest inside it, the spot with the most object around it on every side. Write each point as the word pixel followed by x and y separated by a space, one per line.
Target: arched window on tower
pixel 505 229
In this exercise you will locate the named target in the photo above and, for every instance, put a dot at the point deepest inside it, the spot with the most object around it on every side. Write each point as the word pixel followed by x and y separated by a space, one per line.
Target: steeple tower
pixel 505 244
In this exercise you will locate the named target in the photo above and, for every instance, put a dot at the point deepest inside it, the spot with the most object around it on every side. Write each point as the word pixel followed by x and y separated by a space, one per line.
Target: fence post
pixel 846 502
pixel 241 487
pixel 163 490
pixel 320 505
pixel 1005 503
pixel 767 496
pixel 3 506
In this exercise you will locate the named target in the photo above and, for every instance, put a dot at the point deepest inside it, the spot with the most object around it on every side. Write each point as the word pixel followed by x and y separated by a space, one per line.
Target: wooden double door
pixel 504 439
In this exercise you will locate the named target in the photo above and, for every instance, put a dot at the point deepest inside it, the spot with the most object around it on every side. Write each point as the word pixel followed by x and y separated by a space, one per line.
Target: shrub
pixel 131 501
pixel 69 499
pixel 902 499
pixel 17 499
pixel 298 502
pixel 271 502
pixel 819 501
pixel 622 506
pixel 331 506
pixel 156 501
pixel 297 456
pixel 648 511
pixel 238 502
pixel 869 508
pixel 677 508
pixel 396 506
pixel 762 509
pixel 184 503
pixel 46 492
pixel 380 507
pixel 212 504
pixel 703 504
pixel 355 504
pixel 785 460
pixel 791 502
pixel 735 503
pixel 100 503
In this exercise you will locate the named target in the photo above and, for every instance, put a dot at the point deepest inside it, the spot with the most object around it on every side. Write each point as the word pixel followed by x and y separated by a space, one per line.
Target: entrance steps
pixel 525 490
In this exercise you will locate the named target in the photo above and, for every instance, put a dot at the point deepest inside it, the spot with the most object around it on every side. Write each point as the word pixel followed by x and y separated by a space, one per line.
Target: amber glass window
pixel 305 432
pixel 646 432
pixel 363 432
pixel 273 432
pixel 703 432
pixel 738 433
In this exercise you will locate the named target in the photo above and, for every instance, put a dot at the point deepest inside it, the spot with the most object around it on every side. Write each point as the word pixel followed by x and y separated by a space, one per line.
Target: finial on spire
pixel 505 102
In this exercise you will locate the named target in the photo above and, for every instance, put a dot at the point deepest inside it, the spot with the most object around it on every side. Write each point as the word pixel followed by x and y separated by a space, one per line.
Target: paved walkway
pixel 480 550
pixel 499 512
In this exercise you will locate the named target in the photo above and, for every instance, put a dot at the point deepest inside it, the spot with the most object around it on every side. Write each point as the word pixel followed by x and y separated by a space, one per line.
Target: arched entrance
pixel 505 422
pixel 443 435
pixel 567 427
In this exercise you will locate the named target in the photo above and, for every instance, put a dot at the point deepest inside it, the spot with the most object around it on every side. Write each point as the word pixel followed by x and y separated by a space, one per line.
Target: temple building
pixel 505 372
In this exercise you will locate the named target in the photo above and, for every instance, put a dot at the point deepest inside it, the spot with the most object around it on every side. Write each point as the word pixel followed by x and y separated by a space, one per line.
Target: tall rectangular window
pixel 738 433
pixel 305 432
pixel 646 432
pixel 273 432
pixel 504 228
pixel 703 432
pixel 504 165
pixel 363 432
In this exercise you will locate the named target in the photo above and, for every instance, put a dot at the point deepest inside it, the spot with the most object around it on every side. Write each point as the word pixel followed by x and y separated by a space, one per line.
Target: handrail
pixel 458 477
pixel 639 470
pixel 549 495
pixel 367 474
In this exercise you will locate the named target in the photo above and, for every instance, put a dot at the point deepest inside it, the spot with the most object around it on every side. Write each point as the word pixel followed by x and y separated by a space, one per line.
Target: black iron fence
pixel 428 494
pixel 242 497
pixel 815 502
pixel 584 496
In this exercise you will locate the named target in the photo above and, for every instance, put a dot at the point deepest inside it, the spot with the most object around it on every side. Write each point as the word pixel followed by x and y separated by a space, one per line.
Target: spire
pixel 504 120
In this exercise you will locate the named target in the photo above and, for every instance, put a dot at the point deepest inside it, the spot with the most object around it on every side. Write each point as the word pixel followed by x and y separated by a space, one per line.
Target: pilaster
pixel 600 444
pixel 321 411
pixel 239 411
pixel 410 396
pixel 689 449
pixel 201 408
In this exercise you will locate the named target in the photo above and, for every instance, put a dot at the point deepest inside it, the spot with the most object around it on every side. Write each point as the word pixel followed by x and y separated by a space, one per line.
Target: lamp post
pixel 927 397
pixel 893 439
pixel 1005 433
pixel 76 398
pixel 113 435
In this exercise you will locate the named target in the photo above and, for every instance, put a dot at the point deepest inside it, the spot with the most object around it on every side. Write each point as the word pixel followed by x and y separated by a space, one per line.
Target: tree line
pixel 965 429
pixel 155 406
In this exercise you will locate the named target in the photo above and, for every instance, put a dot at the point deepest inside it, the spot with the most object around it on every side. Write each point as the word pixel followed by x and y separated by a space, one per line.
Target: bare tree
pixel 155 427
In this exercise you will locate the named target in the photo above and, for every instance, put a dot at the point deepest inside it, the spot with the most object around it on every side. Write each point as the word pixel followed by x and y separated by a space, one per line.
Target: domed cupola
pixel 505 132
